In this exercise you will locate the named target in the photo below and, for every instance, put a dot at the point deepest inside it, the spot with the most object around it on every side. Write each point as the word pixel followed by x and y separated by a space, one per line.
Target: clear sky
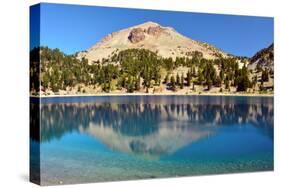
pixel 73 28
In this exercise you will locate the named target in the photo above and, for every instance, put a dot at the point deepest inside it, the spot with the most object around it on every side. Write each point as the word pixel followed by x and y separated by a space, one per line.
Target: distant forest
pixel 134 69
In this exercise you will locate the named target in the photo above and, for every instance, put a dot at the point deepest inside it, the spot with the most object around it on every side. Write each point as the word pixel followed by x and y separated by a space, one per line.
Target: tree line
pixel 134 69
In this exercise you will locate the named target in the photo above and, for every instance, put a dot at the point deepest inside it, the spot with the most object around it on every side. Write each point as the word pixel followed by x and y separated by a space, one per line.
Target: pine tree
pixel 45 80
pixel 226 83
pixel 222 75
pixel 173 83
pixel 193 72
pixel 200 78
pixel 178 79
pixel 265 75
pixel 166 79
pixel 254 81
pixel 130 85
pixel 157 77
pixel 209 83
pixel 188 78
pixel 182 81
pixel 137 84
pixel 243 82
pixel 218 81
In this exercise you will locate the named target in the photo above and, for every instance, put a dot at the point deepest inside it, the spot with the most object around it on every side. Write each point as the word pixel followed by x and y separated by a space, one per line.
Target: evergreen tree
pixel 45 80
pixel 226 83
pixel 166 79
pixel 178 80
pixel 222 75
pixel 209 83
pixel 188 78
pixel 218 82
pixel 243 82
pixel 173 83
pixel 200 78
pixel 137 84
pixel 193 72
pixel 254 81
pixel 265 75
pixel 182 81
pixel 130 85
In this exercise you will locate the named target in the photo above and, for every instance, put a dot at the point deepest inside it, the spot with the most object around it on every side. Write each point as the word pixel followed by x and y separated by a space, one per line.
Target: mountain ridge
pixel 165 41
pixel 264 58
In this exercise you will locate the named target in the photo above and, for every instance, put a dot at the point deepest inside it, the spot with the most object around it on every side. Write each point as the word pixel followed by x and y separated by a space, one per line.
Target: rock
pixel 136 35
pixel 155 31
pixel 109 37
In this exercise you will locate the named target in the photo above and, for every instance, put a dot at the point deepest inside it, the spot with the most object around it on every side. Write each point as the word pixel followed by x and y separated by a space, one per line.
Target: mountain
pixel 263 58
pixel 165 41
pixel 150 146
pixel 150 58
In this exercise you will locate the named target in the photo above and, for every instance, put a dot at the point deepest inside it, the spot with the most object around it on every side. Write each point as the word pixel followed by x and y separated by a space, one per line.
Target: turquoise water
pixel 92 139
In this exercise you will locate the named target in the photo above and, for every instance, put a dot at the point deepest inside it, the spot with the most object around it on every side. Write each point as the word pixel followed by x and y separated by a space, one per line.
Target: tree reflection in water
pixel 152 126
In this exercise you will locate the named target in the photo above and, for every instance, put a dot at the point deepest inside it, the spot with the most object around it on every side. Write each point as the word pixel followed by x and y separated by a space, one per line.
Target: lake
pixel 112 138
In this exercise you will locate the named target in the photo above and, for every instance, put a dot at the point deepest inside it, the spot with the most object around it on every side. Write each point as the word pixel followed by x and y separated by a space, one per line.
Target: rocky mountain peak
pixel 166 41
pixel 138 34
pixel 148 24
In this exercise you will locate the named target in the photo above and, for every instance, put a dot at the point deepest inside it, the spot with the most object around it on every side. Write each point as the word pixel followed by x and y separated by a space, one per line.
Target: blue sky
pixel 73 28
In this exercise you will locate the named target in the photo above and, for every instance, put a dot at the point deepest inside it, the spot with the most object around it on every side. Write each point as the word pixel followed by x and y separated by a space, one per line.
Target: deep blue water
pixel 90 139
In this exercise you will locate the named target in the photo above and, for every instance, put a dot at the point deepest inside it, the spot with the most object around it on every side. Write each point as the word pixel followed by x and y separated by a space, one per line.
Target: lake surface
pixel 93 139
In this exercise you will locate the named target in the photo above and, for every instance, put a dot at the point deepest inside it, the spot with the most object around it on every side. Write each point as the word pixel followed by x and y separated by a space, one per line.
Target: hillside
pixel 150 59
pixel 263 59
pixel 165 41
pixel 262 66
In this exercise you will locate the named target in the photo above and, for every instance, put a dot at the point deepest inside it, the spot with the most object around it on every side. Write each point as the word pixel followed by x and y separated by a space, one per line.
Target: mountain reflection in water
pixel 151 127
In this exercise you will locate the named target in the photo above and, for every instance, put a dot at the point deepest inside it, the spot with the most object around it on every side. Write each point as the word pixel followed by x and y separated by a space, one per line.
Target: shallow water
pixel 91 139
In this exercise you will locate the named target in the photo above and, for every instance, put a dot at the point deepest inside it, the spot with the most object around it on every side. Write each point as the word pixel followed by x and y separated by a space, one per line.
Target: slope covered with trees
pixel 140 70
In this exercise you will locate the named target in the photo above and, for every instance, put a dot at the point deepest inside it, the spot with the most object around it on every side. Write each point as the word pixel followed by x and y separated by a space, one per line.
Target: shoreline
pixel 155 94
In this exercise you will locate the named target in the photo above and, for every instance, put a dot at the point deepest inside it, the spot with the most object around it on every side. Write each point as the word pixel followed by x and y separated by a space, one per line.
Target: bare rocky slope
pixel 164 40
pixel 264 58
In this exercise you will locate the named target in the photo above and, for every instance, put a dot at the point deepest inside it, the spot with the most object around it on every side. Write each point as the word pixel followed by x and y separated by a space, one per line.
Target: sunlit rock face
pixel 152 128
pixel 155 31
pixel 136 35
